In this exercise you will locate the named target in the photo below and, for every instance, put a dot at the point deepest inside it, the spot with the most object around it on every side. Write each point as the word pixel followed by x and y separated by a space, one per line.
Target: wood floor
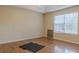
pixel 51 46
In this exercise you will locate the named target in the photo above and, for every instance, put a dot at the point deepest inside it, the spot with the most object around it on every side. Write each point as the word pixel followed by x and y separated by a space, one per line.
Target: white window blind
pixel 66 23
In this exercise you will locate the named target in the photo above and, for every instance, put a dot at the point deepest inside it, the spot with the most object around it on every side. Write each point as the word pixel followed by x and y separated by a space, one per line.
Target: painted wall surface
pixel 19 24
pixel 49 22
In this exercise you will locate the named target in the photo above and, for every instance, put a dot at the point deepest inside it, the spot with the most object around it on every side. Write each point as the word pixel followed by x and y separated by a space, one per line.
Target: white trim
pixel 66 41
pixel 4 42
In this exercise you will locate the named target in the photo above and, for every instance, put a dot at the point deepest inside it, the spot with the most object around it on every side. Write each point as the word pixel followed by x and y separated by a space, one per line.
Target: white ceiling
pixel 43 8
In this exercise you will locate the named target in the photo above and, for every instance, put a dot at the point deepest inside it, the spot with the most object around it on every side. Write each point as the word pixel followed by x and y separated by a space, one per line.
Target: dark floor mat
pixel 33 47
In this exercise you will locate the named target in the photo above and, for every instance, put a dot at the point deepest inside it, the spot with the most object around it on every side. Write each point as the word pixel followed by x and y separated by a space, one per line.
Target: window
pixel 66 23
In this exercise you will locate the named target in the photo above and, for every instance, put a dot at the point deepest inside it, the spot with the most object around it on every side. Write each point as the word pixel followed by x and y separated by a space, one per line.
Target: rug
pixel 33 47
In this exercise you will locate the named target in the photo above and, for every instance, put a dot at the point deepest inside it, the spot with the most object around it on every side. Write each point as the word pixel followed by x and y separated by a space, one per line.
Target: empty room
pixel 39 28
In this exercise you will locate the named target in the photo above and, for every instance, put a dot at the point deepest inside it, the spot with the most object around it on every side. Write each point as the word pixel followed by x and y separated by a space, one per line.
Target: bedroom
pixel 32 28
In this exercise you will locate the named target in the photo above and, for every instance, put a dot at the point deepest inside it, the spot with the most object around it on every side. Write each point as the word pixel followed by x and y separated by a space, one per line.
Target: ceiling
pixel 43 8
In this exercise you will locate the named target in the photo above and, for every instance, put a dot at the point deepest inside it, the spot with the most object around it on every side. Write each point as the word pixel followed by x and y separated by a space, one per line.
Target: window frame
pixel 76 31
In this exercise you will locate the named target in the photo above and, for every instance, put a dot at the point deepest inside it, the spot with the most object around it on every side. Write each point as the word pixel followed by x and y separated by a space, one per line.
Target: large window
pixel 66 23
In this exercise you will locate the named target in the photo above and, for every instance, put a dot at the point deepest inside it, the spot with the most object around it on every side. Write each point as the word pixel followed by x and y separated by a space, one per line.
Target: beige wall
pixel 49 22
pixel 19 24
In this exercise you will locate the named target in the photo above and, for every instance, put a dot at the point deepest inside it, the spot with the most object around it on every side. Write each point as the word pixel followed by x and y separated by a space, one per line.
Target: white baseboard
pixel 4 42
pixel 67 41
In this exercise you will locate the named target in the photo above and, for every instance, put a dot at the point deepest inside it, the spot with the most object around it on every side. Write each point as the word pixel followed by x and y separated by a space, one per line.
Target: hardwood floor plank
pixel 51 46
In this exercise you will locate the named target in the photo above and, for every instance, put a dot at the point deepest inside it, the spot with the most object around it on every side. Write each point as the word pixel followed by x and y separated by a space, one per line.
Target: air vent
pixel 49 34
